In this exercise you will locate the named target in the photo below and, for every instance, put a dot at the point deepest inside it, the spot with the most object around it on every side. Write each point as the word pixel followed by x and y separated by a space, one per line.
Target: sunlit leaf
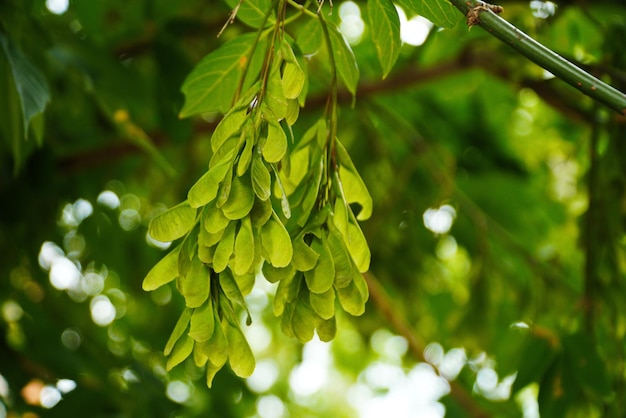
pixel 276 243
pixel 344 58
pixel 287 291
pixel 179 330
pixel 293 80
pixel 303 322
pixel 163 272
pixel 195 286
pixel 261 179
pixel 202 323
pixel 274 98
pixel 240 355
pixel 173 223
pixel 327 329
pixel 275 274
pixel 261 212
pixel 205 189
pixel 211 86
pixel 354 188
pixel 224 249
pixel 244 247
pixel 322 276
pixel 385 31
pixel 240 199
pixel 341 257
pixel 182 350
pixel 304 257
pixel 230 126
pixel 276 143
pixel 323 303
pixel 213 219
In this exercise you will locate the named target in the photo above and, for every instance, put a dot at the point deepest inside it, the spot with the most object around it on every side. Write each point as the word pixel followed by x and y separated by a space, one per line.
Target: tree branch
pixel 542 56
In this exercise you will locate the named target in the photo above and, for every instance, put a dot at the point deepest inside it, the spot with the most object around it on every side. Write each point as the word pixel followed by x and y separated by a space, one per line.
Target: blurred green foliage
pixel 497 234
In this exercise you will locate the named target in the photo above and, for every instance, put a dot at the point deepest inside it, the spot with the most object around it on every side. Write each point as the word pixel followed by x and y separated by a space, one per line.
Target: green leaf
pixel 385 30
pixel 276 243
pixel 440 12
pixel 216 347
pixel 275 145
pixel 230 125
pixel 173 223
pixel 253 12
pixel 274 98
pixel 293 80
pixel 322 276
pixel 303 321
pixel 179 330
pixel 240 355
pixel 240 199
pixel 30 84
pixel 304 257
pixel 245 281
pixel 323 303
pixel 195 286
pixel 245 158
pixel 274 274
pixel 261 179
pixel 583 359
pixel 187 252
pixel 205 189
pixel 163 272
pixel 224 248
pixel 343 262
pixel 355 190
pixel 261 212
pixel 351 300
pixel 344 58
pixel 244 248
pixel 327 329
pixel 202 322
pixel 211 371
pixel 181 351
pixel 211 85
pixel 231 289
pixel 286 292
pixel 310 38
pixel 357 246
pixel 213 219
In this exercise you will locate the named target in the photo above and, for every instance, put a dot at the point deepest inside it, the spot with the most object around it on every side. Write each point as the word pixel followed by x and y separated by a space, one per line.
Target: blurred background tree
pixel 497 237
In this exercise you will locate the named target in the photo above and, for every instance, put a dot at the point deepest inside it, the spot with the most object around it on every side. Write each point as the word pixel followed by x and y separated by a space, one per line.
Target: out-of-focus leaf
pixel 30 84
pixel 173 223
pixel 354 188
pixel 385 31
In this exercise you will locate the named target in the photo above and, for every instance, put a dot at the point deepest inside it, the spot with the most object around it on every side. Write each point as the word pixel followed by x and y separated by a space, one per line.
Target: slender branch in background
pixel 542 56
pixel 389 310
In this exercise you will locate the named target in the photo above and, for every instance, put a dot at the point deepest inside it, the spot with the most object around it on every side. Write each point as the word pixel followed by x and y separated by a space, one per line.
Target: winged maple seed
pixel 472 14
